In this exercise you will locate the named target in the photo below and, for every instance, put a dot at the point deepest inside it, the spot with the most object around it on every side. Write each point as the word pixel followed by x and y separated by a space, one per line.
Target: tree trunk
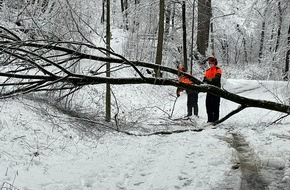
pixel 279 26
pixel 192 36
pixel 287 57
pixel 126 15
pixel 262 41
pixel 173 15
pixel 204 16
pixel 122 6
pixel 263 30
pixel 158 59
pixel 108 47
pixel 212 39
pixel 245 49
pixel 167 19
pixel 103 12
pixel 184 35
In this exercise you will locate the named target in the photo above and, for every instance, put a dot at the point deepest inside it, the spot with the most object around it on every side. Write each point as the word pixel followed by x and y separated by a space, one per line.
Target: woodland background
pixel 79 109
pixel 242 34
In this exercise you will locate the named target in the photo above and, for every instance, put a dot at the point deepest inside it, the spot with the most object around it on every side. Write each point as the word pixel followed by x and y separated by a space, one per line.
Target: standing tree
pixel 262 39
pixel 280 18
pixel 108 46
pixel 192 36
pixel 167 18
pixel 124 9
pixel 286 77
pixel 158 59
pixel 184 35
pixel 103 12
pixel 204 16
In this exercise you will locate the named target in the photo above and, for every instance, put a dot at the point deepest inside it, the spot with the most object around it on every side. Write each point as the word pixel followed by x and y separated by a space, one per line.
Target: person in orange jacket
pixel 192 96
pixel 212 76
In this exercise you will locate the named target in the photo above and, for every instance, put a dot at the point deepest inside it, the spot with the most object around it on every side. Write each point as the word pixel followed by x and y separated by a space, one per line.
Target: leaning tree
pixel 33 66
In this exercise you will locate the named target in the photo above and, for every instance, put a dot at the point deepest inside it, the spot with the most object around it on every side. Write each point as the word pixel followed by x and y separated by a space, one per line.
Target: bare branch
pixel 24 59
pixel 240 108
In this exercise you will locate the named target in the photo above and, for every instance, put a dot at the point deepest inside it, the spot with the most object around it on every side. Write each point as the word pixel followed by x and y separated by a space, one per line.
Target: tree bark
pixel 184 35
pixel 192 36
pixel 103 12
pixel 167 19
pixel 204 16
pixel 262 39
pixel 287 60
pixel 279 26
pixel 122 6
pixel 158 59
pixel 108 46
pixel 212 39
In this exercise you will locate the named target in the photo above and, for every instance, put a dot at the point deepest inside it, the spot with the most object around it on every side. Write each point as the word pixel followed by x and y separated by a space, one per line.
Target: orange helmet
pixel 180 67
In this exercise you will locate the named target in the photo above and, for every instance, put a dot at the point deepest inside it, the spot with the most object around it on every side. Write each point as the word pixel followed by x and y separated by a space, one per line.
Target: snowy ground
pixel 50 153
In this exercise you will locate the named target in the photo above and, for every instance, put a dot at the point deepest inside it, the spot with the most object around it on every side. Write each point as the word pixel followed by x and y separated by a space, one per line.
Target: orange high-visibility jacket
pixel 213 76
pixel 185 80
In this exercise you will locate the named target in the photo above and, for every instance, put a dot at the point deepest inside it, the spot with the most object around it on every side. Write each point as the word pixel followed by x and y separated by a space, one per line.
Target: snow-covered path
pixel 37 153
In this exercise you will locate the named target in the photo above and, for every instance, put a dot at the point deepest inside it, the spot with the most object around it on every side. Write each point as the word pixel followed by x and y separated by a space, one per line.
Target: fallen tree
pixel 32 66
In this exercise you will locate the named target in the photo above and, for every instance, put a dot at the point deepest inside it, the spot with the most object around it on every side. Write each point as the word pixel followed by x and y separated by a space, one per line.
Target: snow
pixel 38 154
pixel 45 148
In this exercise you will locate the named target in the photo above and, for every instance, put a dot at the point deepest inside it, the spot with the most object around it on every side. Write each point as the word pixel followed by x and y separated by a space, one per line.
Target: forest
pixel 56 38
pixel 88 94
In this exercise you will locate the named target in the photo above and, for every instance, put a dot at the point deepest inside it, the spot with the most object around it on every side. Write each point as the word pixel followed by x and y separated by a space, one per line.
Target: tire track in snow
pixel 252 178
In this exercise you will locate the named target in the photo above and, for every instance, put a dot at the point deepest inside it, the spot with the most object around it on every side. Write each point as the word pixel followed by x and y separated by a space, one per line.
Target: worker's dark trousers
pixel 212 103
pixel 192 100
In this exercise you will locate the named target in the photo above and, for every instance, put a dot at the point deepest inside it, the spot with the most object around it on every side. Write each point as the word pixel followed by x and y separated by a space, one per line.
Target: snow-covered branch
pixel 31 66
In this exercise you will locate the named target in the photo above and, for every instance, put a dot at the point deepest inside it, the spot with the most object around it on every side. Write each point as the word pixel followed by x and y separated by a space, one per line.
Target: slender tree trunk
pixel 279 26
pixel 263 30
pixel 245 49
pixel 108 47
pixel 158 59
pixel 287 57
pixel 122 6
pixel 192 36
pixel 243 43
pixel 167 19
pixel 126 15
pixel 103 12
pixel 173 15
pixel 272 37
pixel 184 35
pixel 212 39
pixel 262 41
